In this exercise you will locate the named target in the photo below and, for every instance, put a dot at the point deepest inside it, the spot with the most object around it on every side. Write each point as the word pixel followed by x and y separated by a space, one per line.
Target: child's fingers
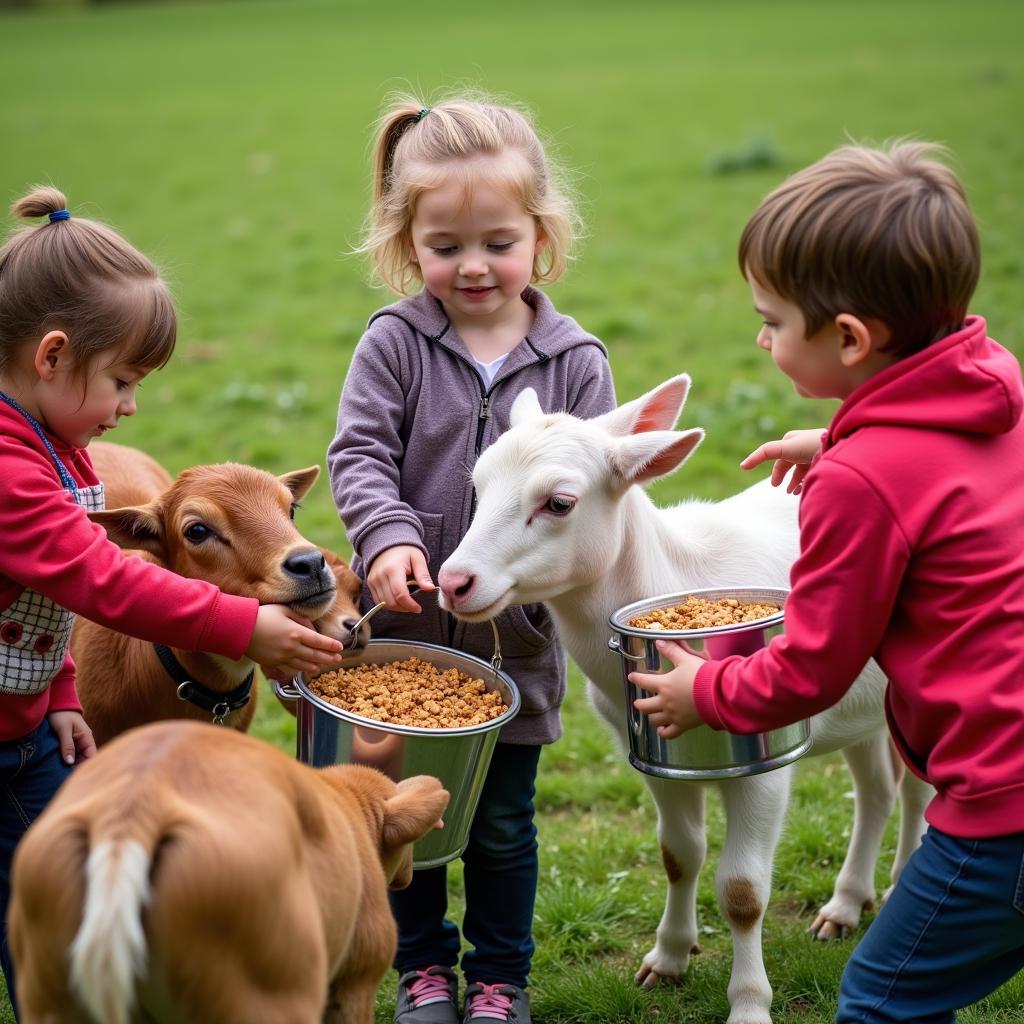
pixel 420 573
pixel 651 682
pixel 669 732
pixel 648 705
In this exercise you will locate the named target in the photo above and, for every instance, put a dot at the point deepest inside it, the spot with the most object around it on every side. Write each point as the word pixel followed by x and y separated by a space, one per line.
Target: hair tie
pixel 422 114
pixel 59 215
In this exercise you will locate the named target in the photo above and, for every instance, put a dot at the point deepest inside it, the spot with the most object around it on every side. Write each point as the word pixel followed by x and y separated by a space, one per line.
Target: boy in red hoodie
pixel 862 267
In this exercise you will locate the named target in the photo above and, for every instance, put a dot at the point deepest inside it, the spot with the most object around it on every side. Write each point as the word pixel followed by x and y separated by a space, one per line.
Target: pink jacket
pixel 49 545
pixel 911 530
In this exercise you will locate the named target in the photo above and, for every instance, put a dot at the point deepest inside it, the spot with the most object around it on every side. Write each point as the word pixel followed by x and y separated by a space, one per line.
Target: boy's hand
pixel 283 642
pixel 389 575
pixel 672 708
pixel 795 452
pixel 74 735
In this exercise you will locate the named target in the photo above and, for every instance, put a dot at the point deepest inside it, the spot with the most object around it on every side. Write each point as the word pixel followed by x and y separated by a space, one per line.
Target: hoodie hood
pixel 551 333
pixel 965 383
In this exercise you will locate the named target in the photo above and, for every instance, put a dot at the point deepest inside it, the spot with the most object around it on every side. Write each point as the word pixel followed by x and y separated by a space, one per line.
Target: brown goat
pixel 189 873
pixel 230 525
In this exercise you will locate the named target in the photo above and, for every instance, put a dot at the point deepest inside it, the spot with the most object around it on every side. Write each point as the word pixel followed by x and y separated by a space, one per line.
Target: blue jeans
pixel 500 876
pixel 951 933
pixel 31 772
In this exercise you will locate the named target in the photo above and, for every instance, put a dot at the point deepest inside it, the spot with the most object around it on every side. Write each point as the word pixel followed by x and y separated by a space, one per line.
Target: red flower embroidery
pixel 11 631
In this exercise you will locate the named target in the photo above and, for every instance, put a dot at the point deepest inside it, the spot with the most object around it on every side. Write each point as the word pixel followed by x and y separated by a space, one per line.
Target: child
pixel 465 204
pixel 83 318
pixel 862 267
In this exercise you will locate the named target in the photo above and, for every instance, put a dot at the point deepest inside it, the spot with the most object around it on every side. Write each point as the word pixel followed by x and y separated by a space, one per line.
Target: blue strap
pixel 65 476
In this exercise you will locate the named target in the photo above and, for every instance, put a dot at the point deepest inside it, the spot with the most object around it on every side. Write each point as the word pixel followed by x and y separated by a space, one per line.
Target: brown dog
pixel 190 873
pixel 228 524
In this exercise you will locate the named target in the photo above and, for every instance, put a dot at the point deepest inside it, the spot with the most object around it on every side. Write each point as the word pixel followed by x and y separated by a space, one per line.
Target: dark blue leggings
pixel 501 884
pixel 31 772
pixel 951 933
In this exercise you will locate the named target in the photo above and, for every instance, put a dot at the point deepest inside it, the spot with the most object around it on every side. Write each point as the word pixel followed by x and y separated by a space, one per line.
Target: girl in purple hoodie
pixel 467 209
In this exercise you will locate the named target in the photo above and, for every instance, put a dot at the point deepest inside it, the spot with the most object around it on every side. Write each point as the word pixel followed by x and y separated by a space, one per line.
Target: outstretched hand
pixel 285 644
pixel 672 708
pixel 795 452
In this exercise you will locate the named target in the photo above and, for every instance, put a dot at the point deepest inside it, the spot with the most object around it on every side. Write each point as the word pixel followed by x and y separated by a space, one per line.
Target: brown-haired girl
pixel 467 205
pixel 83 318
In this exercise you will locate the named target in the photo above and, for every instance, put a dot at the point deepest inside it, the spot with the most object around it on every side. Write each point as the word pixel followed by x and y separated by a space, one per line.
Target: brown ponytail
pixel 83 278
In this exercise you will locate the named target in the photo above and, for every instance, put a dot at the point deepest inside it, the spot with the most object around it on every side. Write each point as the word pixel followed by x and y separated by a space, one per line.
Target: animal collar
pixel 218 704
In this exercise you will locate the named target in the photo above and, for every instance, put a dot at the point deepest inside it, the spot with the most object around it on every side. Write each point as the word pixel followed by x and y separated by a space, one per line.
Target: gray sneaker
pixel 430 996
pixel 488 1003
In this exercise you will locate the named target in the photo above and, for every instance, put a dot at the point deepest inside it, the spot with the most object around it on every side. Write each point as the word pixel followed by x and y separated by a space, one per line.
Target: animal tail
pixel 108 954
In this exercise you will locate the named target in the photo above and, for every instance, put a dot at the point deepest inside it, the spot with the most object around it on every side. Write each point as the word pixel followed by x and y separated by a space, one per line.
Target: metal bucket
pixel 328 735
pixel 701 754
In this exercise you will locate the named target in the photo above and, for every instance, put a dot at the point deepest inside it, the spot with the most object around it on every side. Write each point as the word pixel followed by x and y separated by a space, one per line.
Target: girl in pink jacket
pixel 83 318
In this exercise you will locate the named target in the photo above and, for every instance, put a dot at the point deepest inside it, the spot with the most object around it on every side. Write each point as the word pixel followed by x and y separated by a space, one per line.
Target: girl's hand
pixel 389 575
pixel 73 734
pixel 672 708
pixel 795 452
pixel 283 642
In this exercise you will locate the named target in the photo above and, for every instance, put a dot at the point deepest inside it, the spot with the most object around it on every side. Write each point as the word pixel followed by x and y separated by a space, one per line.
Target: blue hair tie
pixel 422 114
pixel 59 215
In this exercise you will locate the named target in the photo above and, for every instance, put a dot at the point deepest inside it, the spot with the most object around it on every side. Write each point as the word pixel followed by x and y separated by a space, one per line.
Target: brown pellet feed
pixel 410 692
pixel 703 613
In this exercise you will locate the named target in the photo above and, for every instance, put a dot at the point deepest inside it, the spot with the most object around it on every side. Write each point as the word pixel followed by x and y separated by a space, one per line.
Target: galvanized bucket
pixel 701 754
pixel 328 735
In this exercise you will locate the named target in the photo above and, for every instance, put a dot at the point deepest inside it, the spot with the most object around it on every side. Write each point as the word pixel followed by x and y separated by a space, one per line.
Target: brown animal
pixel 190 873
pixel 228 524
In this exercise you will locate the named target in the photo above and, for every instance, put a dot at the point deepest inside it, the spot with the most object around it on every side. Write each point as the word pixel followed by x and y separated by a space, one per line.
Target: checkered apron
pixel 34 631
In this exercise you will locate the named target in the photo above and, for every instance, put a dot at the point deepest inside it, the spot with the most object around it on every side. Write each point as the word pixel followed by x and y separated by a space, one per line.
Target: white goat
pixel 559 520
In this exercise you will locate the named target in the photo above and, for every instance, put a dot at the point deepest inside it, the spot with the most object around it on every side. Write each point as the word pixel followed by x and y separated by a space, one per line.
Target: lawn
pixel 230 141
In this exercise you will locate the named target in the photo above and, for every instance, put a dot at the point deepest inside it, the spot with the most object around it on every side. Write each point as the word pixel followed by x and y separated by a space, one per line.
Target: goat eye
pixel 559 505
pixel 197 533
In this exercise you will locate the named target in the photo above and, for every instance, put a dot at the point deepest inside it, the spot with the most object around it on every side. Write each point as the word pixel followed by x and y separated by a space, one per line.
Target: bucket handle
pixel 292 692
pixel 286 691
pixel 615 645
pixel 354 631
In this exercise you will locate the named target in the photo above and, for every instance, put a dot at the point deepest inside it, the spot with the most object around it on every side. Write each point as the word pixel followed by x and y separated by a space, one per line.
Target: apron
pixel 34 631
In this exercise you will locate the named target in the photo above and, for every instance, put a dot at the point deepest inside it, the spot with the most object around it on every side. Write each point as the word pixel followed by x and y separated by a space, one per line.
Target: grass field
pixel 230 141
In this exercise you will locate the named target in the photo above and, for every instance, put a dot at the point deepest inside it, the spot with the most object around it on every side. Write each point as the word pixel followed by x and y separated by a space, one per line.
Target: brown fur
pixel 120 679
pixel 742 906
pixel 262 883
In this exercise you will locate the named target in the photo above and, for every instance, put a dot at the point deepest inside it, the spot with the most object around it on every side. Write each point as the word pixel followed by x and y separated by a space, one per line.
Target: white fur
pixel 616 547
pixel 108 954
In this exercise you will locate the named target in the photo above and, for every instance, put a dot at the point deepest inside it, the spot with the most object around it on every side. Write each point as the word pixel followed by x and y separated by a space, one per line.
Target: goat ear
pixel 299 481
pixel 525 407
pixel 641 458
pixel 413 811
pixel 657 410
pixel 140 528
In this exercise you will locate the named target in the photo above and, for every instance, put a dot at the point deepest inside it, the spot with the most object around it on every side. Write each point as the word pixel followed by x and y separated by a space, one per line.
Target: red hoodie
pixel 49 545
pixel 911 530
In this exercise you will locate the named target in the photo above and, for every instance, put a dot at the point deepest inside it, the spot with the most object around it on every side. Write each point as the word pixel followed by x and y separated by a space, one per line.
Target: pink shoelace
pixel 490 1002
pixel 429 988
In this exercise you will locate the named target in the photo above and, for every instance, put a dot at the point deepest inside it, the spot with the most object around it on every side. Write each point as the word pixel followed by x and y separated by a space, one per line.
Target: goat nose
pixel 305 564
pixel 455 586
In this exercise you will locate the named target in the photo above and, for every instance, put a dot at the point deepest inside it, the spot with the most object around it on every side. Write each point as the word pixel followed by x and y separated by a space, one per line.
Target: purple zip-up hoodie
pixel 414 417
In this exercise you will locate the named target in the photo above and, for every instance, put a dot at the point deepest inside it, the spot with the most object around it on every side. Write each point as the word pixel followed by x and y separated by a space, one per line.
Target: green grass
pixel 230 141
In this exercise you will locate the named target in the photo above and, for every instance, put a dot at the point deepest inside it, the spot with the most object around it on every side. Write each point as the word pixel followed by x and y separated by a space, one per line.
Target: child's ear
pixel 542 241
pixel 859 337
pixel 52 352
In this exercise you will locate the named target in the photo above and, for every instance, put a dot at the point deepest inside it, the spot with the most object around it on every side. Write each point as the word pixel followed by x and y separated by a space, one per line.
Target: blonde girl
pixel 469 215
pixel 84 318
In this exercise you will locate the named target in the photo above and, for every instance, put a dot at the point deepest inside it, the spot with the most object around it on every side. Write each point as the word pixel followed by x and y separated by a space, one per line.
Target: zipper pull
pixel 485 407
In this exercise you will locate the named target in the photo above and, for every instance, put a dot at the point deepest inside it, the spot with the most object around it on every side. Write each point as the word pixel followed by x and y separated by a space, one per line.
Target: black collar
pixel 218 704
